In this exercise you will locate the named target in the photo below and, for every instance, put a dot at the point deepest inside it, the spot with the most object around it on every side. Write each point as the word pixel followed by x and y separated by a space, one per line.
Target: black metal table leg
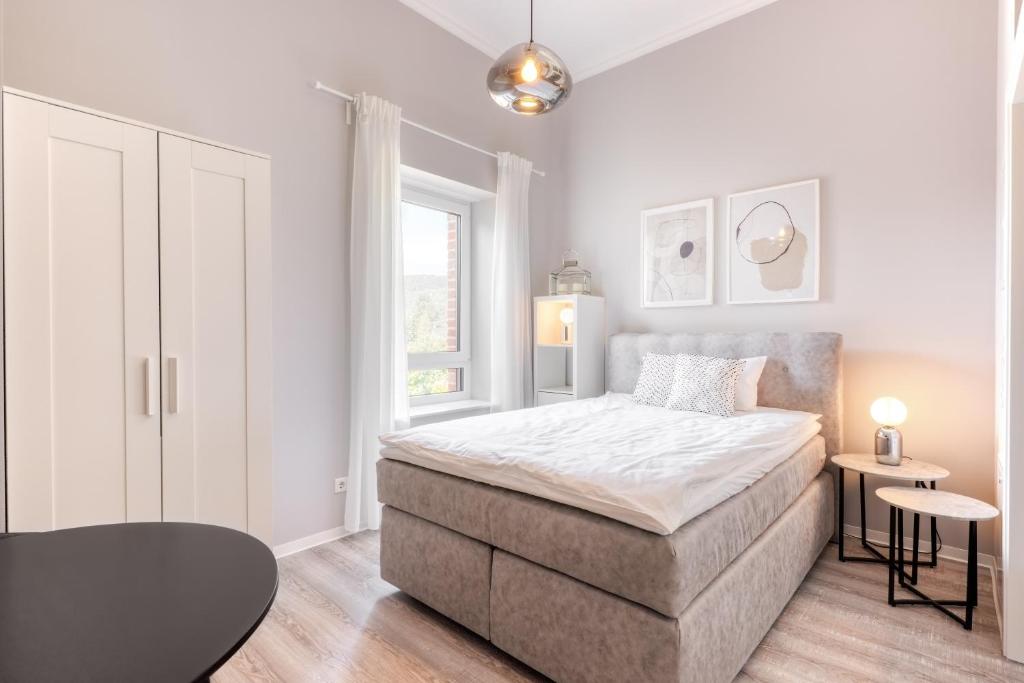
pixel 935 535
pixel 970 600
pixel 892 552
pixel 972 574
pixel 917 547
pixel 842 514
pixel 899 542
pixel 863 515
pixel 875 556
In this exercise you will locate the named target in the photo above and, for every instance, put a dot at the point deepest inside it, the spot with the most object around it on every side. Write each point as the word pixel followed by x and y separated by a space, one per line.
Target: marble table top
pixel 937 503
pixel 909 469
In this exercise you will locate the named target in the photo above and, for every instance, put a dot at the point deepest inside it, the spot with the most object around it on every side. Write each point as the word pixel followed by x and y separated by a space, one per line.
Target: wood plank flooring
pixel 335 619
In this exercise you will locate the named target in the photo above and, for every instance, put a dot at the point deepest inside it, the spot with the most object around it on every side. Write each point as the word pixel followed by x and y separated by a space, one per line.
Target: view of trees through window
pixel 431 250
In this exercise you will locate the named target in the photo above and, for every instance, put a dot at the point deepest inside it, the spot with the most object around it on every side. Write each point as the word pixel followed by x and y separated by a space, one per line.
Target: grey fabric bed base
pixel 664 573
pixel 571 631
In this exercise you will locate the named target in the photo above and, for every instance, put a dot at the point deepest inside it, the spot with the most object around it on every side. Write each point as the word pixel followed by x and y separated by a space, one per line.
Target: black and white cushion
pixel 705 385
pixel 655 382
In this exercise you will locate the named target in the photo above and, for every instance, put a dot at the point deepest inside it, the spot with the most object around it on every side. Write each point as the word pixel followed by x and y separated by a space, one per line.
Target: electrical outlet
pixel 340 484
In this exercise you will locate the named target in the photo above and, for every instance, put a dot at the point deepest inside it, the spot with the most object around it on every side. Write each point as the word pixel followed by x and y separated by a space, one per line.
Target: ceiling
pixel 591 36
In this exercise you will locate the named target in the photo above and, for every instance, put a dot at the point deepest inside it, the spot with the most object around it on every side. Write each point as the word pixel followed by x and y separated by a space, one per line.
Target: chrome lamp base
pixel 888 446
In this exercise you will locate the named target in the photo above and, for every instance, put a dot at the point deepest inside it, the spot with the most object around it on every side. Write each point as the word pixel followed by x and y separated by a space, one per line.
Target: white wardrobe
pixel 137 324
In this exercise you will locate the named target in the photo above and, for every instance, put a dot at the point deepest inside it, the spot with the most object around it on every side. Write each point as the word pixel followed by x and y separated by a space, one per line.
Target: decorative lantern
pixel 570 278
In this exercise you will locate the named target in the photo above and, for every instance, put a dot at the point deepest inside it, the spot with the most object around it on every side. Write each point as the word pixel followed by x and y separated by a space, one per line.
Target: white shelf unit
pixel 568 359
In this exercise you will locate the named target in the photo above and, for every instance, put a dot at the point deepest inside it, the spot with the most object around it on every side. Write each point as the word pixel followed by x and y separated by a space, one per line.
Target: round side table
pixel 936 504
pixel 148 601
pixel 923 474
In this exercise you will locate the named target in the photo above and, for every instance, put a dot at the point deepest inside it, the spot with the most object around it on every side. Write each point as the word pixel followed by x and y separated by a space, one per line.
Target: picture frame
pixel 774 244
pixel 678 255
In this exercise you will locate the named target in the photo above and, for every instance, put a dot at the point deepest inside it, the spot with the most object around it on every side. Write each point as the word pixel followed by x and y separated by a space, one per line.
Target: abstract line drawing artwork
pixel 678 254
pixel 774 250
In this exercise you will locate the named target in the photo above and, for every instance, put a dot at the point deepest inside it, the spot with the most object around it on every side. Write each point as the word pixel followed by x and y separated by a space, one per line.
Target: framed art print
pixel 678 254
pixel 774 245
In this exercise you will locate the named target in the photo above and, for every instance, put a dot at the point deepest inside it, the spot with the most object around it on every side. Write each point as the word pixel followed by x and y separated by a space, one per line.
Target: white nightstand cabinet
pixel 568 348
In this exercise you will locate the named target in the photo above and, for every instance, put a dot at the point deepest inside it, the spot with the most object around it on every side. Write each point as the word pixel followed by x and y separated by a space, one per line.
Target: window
pixel 435 243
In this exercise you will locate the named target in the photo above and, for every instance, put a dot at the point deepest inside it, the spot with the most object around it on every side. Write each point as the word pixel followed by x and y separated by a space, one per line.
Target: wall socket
pixel 341 484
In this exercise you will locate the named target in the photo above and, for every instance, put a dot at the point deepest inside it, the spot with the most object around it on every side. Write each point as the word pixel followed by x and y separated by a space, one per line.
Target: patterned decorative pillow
pixel 705 384
pixel 656 378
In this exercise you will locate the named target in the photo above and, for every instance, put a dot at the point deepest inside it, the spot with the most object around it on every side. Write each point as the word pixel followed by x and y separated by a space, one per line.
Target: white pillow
pixel 746 387
pixel 705 384
pixel 655 381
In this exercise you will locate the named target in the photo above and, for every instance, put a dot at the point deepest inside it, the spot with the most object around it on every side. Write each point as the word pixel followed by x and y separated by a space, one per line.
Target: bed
pixel 591 576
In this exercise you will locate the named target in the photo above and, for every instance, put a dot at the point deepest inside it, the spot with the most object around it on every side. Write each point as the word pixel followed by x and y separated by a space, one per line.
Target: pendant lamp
pixel 529 78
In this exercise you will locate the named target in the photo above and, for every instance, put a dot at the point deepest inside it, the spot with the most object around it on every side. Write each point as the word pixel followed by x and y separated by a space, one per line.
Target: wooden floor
pixel 336 620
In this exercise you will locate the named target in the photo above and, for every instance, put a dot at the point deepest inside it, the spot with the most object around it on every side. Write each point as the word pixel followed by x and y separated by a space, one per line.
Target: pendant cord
pixel 531 22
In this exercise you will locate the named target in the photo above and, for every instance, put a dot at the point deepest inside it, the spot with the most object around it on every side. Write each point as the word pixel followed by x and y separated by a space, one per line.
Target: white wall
pixel 1009 331
pixel 892 105
pixel 239 71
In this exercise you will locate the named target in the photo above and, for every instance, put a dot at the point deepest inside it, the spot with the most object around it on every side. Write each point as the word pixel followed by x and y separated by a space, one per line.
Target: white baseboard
pixel 306 542
pixel 994 571
pixel 946 551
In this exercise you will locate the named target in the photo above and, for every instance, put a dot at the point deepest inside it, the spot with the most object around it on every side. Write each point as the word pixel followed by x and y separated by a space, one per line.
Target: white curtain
pixel 378 398
pixel 511 365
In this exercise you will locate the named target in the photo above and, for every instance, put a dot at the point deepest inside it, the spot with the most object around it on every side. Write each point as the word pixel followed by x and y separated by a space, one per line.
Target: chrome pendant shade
pixel 529 78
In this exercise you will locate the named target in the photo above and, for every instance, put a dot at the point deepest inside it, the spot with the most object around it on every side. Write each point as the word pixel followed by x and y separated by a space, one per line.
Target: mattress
pixel 662 572
pixel 652 468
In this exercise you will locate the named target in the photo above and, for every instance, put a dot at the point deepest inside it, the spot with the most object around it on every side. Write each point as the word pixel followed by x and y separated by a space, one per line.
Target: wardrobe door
pixel 82 320
pixel 215 323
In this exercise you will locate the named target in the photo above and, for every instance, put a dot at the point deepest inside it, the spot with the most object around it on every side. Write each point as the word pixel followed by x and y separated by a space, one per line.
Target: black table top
pixel 129 602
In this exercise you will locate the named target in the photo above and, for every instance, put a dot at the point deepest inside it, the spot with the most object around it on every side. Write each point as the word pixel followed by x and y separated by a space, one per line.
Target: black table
pixel 129 602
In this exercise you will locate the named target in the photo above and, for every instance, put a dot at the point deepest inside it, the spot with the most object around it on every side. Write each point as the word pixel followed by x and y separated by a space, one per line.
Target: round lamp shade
pixel 529 79
pixel 888 411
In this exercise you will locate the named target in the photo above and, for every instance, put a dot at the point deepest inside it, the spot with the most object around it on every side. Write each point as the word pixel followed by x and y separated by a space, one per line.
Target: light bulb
pixel 567 316
pixel 888 411
pixel 529 71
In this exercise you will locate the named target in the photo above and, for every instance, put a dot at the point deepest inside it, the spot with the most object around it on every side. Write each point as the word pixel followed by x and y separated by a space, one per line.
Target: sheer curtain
pixel 511 365
pixel 378 396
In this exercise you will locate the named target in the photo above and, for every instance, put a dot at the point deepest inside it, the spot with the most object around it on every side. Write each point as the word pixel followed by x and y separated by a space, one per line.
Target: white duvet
pixel 652 468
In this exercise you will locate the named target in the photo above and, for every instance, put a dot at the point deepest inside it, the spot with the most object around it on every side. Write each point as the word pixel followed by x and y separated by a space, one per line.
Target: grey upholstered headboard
pixel 804 369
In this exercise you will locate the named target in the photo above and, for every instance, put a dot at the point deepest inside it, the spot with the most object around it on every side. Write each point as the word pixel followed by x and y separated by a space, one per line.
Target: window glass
pixel 435 381
pixel 432 251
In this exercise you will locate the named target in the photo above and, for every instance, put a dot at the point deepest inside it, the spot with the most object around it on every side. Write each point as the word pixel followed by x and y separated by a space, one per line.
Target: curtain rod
pixel 349 98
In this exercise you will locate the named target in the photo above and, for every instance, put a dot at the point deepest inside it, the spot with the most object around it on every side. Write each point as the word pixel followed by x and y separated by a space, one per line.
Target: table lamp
pixel 890 413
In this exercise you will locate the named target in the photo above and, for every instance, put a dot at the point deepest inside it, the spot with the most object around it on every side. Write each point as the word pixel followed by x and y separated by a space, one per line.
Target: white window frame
pixel 434 199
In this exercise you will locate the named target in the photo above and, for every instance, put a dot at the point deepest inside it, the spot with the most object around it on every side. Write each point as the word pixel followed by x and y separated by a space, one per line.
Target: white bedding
pixel 649 467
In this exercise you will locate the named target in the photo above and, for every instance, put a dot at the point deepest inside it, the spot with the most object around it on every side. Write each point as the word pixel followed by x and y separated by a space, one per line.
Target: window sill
pixel 438 412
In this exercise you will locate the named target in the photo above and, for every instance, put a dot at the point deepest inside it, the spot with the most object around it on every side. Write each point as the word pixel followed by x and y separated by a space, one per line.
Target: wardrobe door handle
pixel 150 385
pixel 172 382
